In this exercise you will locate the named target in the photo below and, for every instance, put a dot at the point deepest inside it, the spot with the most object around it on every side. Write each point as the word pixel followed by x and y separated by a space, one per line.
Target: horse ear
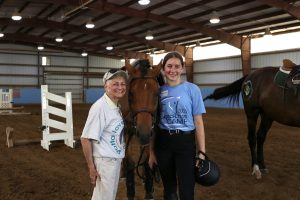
pixel 157 68
pixel 129 67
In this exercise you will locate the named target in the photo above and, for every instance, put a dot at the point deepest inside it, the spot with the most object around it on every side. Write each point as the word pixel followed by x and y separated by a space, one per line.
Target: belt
pixel 176 132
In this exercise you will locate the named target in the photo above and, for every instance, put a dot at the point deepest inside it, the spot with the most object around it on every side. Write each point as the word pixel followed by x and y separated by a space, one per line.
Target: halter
pixel 144 109
pixel 133 114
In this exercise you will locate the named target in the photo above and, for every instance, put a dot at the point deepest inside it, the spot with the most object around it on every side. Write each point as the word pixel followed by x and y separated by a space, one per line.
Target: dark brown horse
pixel 270 94
pixel 139 107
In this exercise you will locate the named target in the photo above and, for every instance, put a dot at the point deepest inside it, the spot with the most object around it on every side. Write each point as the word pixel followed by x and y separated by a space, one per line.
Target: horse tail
pixel 232 91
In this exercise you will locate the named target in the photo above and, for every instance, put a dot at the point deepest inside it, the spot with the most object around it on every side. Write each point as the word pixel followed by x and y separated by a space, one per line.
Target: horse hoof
pixel 148 197
pixel 256 172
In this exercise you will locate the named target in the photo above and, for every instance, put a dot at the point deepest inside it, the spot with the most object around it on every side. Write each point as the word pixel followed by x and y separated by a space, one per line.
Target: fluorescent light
pixel 144 2
pixel 109 47
pixel 16 16
pixel 59 39
pixel 90 24
pixel 149 36
pixel 214 18
pixel 40 47
pixel 84 53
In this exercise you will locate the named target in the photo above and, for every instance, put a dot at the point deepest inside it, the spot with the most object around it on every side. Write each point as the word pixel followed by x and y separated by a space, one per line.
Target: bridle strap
pixel 145 110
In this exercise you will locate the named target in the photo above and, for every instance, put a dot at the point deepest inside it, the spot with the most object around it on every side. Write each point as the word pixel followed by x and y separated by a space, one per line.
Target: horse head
pixel 143 92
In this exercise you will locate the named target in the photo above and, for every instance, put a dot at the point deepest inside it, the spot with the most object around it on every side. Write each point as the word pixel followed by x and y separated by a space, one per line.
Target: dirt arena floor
pixel 30 173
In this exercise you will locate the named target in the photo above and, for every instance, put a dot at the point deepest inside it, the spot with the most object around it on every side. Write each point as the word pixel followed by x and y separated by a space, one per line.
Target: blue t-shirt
pixel 178 105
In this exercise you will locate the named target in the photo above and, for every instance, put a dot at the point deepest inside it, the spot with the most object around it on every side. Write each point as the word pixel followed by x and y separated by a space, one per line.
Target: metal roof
pixel 124 23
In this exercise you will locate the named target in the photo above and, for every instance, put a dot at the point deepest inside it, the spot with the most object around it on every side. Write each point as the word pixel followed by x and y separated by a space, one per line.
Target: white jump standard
pixel 48 123
pixel 6 100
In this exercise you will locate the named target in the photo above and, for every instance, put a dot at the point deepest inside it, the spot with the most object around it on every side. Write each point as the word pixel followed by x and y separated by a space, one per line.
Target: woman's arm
pixel 88 154
pixel 200 133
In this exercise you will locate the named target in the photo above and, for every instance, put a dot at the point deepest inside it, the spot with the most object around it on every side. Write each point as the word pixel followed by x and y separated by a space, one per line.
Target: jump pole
pixel 47 123
pixel 10 142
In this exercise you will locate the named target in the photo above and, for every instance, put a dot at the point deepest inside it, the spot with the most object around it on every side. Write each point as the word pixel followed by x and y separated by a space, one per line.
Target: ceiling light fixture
pixel 144 2
pixel 84 54
pixel 90 24
pixel 40 47
pixel 16 16
pixel 59 39
pixel 268 33
pixel 214 18
pixel 149 35
pixel 1 34
pixel 109 47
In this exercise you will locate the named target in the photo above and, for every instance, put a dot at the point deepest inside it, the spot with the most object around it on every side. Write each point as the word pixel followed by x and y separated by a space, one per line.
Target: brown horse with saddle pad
pixel 139 107
pixel 271 93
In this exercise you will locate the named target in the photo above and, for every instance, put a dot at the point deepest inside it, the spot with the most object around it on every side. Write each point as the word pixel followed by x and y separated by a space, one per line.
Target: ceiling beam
pixel 34 22
pixel 232 39
pixel 80 47
pixel 288 7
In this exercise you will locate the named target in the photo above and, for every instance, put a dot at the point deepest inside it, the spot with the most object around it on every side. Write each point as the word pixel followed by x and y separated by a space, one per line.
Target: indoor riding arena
pixel 30 172
pixel 54 54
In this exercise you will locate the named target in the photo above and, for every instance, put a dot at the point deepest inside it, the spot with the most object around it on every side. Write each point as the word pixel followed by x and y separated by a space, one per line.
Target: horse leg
pixel 130 183
pixel 251 123
pixel 148 181
pixel 264 127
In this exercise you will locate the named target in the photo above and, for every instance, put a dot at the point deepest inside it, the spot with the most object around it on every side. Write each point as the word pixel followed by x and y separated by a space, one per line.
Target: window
pixel 45 60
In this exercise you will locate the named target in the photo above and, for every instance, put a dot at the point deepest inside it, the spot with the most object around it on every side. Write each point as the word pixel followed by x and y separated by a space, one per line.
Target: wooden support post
pixel 246 55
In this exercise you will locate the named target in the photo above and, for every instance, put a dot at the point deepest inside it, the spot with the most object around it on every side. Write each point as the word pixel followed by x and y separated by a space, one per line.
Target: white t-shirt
pixel 105 127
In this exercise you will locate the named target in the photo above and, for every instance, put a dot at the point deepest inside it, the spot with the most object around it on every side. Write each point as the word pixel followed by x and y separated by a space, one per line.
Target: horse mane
pixel 143 66
pixel 160 79
pixel 232 91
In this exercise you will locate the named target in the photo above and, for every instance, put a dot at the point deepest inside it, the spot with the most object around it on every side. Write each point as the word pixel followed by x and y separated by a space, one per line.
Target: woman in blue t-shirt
pixel 180 129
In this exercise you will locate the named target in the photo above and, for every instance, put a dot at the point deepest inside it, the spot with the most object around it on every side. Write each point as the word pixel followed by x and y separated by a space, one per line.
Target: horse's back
pixel 261 93
pixel 265 74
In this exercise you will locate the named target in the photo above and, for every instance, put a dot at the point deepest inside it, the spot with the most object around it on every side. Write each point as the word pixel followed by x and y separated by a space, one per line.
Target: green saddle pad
pixel 280 78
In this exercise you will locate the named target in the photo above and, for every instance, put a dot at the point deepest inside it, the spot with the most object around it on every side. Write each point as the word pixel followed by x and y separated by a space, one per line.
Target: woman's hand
pixel 152 160
pixel 94 175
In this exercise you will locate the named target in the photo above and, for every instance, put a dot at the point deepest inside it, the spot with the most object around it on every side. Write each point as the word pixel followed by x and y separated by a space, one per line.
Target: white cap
pixel 113 73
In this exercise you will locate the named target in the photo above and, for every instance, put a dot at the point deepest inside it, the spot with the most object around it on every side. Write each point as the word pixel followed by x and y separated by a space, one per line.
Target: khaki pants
pixel 109 169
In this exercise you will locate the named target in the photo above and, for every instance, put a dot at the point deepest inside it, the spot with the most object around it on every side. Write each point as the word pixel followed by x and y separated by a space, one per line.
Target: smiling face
pixel 173 69
pixel 115 88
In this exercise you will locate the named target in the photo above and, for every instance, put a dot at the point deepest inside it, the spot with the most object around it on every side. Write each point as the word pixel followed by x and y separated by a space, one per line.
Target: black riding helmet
pixel 207 173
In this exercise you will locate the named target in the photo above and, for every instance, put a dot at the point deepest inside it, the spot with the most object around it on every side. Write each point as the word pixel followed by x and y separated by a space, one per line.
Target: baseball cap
pixel 113 73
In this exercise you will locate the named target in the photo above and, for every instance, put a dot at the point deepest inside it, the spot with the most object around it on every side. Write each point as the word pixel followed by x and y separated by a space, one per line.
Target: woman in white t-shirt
pixel 102 138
